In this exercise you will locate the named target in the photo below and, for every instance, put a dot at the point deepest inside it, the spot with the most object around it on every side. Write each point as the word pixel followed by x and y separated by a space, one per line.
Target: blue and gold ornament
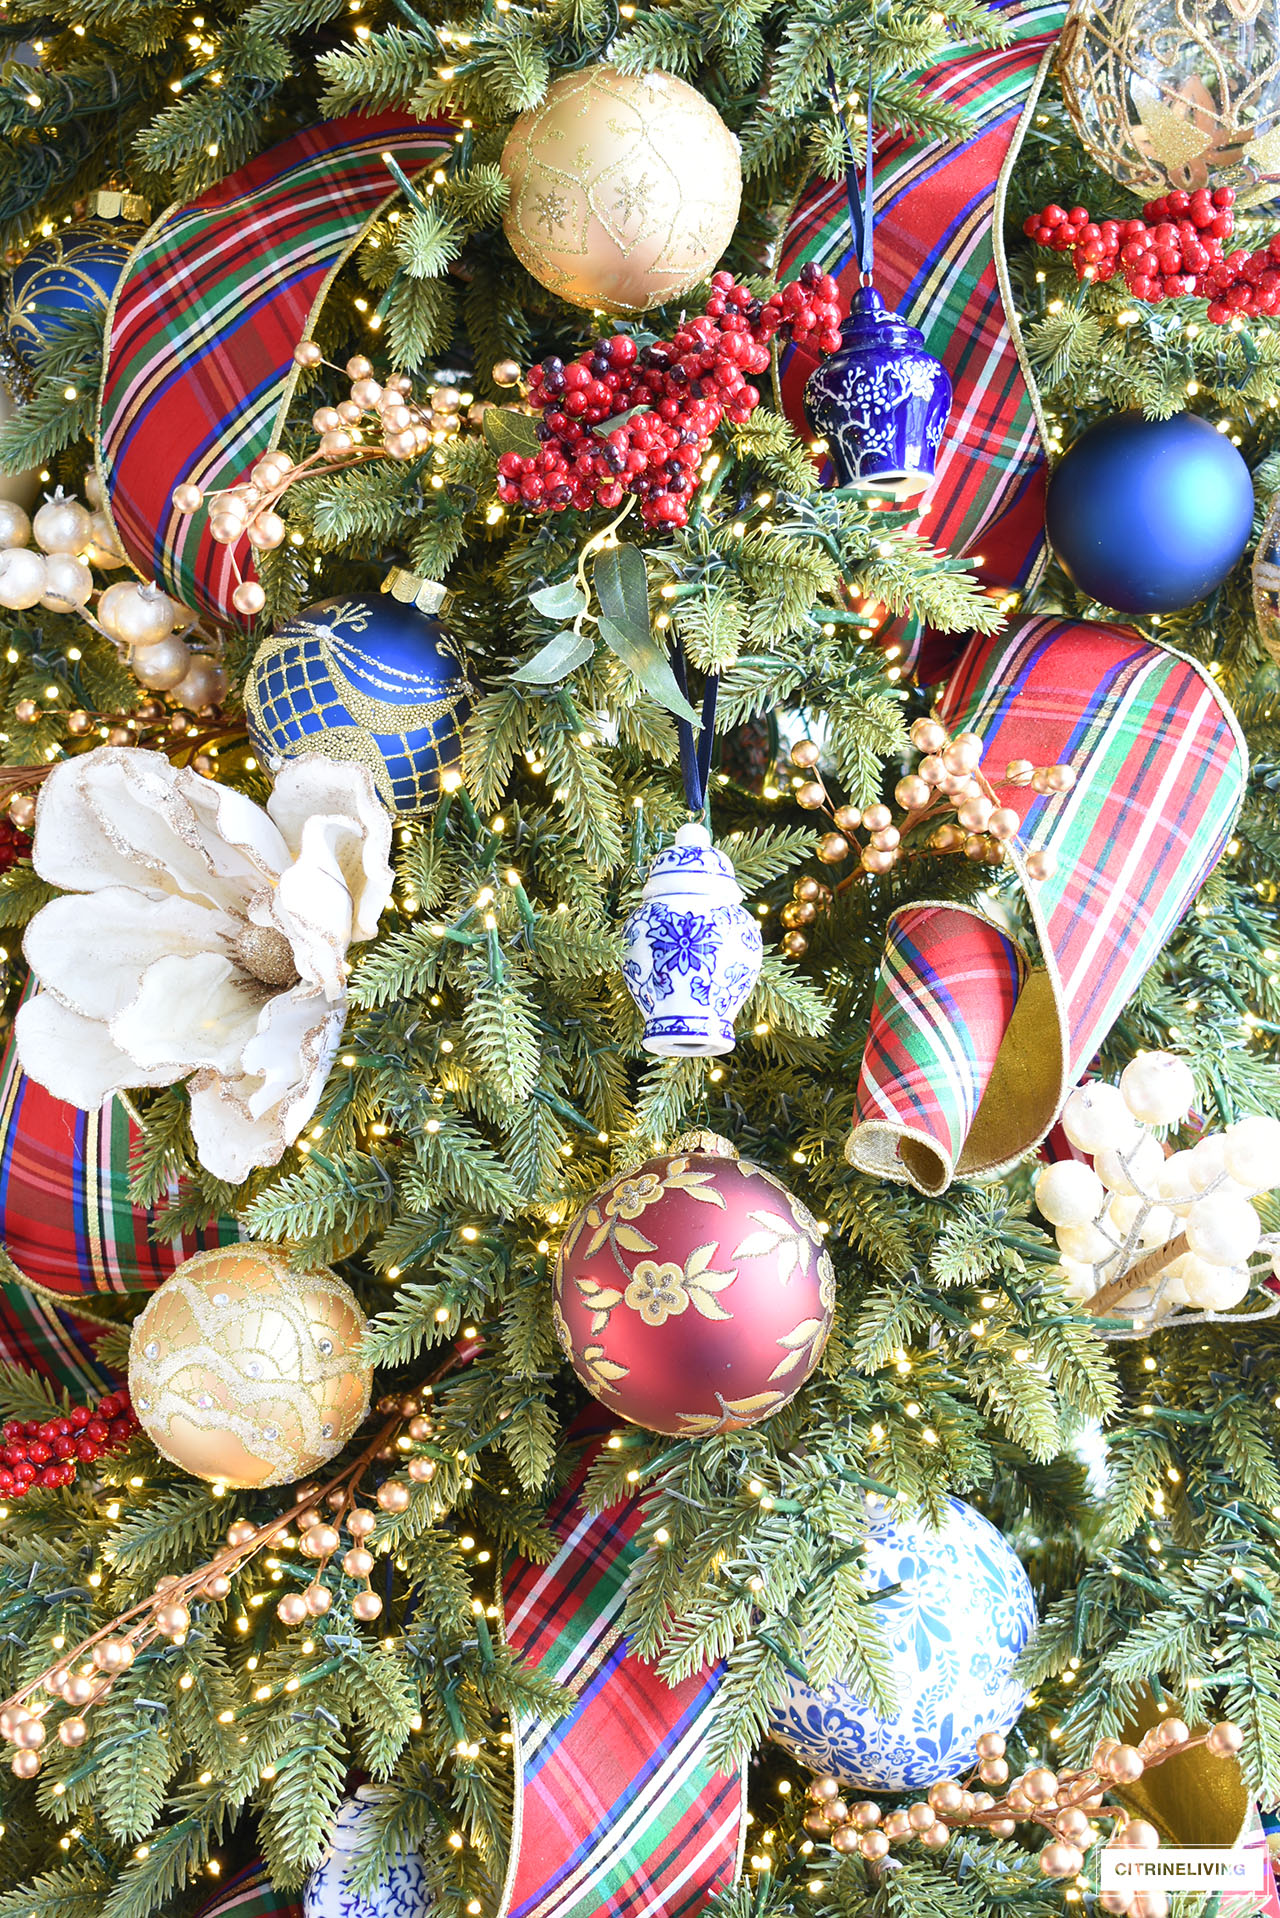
pixel 72 271
pixel 372 681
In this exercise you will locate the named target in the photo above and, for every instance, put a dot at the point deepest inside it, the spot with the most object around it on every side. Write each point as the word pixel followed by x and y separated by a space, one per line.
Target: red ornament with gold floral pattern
pixel 694 1293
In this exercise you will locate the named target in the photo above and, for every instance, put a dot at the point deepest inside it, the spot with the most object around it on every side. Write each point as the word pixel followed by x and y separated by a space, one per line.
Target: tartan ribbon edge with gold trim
pixel 198 369
pixel 970 1049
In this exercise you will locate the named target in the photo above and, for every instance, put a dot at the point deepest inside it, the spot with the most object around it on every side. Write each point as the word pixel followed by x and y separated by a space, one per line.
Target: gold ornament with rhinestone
pixel 246 1372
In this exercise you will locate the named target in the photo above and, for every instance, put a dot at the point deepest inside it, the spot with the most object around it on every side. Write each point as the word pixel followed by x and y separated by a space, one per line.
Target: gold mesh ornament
pixel 1177 93
pixel 624 189
pixel 245 1371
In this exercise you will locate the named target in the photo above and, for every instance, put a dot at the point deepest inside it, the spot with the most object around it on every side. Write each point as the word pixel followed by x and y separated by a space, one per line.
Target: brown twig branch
pixel 1146 1269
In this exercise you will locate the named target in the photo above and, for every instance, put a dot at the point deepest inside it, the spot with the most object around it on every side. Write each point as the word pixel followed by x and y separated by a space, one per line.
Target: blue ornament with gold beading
pixel 370 681
pixel 73 271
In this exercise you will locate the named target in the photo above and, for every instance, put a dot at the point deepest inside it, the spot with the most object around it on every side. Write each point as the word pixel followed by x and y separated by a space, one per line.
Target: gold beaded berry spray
pixel 948 793
pixel 1068 1806
pixel 377 420
pixel 311 1524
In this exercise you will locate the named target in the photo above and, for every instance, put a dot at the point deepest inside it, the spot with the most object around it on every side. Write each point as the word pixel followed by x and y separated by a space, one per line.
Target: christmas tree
pixel 579 883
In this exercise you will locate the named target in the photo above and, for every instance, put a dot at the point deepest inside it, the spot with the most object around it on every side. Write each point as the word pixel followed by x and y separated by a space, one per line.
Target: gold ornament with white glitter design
pixel 624 189
pixel 244 1371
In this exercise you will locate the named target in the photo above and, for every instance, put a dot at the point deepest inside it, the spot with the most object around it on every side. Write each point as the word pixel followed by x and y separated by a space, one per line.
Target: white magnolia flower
pixel 203 939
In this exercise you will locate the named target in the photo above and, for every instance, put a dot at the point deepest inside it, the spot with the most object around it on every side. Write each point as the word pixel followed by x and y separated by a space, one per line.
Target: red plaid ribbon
pixel 250 1894
pixel 971 1050
pixel 200 340
pixel 616 1811
pixel 66 1219
pixel 43 1338
pixel 940 263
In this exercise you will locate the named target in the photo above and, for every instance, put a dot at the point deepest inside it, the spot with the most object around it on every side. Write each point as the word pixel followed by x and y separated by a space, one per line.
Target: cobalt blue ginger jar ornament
pixel 880 401
pixel 330 1892
pixel 371 680
pixel 961 1614
pixel 692 952
pixel 1149 516
pixel 69 272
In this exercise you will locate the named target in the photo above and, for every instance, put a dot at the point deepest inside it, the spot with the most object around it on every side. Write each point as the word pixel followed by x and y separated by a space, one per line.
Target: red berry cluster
pixel 47 1452
pixel 1175 250
pixel 14 845
pixel 676 391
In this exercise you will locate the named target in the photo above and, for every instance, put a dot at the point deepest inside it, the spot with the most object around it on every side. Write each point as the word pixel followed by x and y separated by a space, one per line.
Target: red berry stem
pixel 1174 251
pixel 14 845
pixel 48 1452
pixel 667 398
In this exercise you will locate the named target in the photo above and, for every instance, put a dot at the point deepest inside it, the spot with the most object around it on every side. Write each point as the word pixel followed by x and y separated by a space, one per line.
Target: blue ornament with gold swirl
pixel 73 271
pixel 371 681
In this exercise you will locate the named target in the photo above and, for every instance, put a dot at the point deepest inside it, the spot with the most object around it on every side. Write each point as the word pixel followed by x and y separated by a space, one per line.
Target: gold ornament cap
pixel 702 1139
pixel 118 203
pixel 411 589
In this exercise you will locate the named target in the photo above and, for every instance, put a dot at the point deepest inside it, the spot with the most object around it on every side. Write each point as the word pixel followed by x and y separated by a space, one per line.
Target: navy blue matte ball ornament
pixel 1149 515
pixel 73 271
pixel 368 680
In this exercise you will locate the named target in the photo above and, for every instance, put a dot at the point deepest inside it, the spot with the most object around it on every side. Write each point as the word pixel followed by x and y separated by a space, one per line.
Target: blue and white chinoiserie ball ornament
pixel 1149 515
pixel 963 1613
pixel 329 1893
pixel 370 680
pixel 691 950
pixel 881 400
pixel 72 271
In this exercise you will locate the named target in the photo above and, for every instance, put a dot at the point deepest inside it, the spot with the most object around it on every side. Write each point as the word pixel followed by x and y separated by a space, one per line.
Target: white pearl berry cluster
pixel 69 539
pixel 140 620
pixel 1148 1232
pixel 143 622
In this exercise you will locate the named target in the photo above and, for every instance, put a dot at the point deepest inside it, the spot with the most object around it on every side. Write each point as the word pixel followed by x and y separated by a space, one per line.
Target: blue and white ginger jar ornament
pixel 964 1612
pixel 880 401
pixel 372 681
pixel 329 1893
pixel 692 952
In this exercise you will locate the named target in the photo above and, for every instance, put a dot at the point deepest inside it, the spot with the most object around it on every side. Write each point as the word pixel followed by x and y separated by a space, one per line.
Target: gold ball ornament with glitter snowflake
pixel 624 188
pixel 245 1371
pixel 1176 94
